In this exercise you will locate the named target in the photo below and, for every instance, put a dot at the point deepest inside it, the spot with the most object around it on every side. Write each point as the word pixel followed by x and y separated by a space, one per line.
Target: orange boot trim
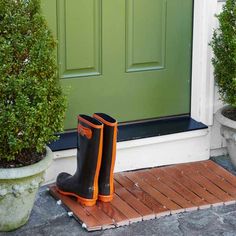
pixel 90 123
pixel 112 124
pixel 81 200
pixel 99 161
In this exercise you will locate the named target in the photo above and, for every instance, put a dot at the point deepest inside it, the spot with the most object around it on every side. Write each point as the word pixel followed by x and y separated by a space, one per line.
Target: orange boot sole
pixel 81 200
pixel 105 198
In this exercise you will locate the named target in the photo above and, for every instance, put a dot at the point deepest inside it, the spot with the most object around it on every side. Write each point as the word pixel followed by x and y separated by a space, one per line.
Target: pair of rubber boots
pixel 96 155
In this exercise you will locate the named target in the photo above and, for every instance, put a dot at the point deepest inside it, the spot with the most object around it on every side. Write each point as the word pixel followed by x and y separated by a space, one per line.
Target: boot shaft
pixel 89 155
pixel 106 183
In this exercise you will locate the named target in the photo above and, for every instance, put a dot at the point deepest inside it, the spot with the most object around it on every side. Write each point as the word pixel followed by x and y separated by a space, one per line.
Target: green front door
pixel 127 58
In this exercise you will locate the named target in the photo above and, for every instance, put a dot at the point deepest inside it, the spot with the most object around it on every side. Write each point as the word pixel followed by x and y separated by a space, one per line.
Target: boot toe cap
pixel 61 179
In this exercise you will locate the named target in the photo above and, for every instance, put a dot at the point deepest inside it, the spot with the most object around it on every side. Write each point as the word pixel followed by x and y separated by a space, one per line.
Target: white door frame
pixel 202 97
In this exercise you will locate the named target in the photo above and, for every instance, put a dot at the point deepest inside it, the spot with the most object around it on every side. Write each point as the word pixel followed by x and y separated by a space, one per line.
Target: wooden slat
pixel 177 186
pixel 105 221
pixel 193 186
pixel 134 202
pixel 118 217
pixel 164 202
pixel 205 183
pixel 217 180
pixel 163 188
pixel 149 201
pixel 128 211
pixel 220 171
pixel 85 218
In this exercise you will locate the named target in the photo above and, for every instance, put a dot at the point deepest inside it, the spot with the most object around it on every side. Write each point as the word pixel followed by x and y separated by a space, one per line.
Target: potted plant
pixel 224 62
pixel 32 107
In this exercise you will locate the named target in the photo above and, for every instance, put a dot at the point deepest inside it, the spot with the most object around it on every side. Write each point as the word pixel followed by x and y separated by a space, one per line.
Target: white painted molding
pixel 202 99
pixel 193 147
pixel 141 142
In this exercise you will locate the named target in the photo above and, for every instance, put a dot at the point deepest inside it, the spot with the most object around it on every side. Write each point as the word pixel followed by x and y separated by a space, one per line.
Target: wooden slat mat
pixel 152 193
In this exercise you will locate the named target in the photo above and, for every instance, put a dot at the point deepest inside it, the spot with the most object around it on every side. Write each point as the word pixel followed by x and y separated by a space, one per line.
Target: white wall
pixel 217 142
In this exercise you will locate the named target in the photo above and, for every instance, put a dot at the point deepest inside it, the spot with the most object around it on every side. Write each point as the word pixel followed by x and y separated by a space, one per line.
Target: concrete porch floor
pixel 48 218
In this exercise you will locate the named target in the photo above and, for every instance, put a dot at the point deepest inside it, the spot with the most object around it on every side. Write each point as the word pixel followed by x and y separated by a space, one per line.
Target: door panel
pixel 145 34
pixel 79 26
pixel 129 58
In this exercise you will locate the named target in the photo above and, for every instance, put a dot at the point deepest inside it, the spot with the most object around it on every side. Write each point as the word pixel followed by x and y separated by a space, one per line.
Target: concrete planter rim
pixel 26 171
pixel 224 120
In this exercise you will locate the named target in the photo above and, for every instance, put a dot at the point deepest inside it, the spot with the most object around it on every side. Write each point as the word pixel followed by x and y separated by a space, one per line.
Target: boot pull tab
pixel 84 131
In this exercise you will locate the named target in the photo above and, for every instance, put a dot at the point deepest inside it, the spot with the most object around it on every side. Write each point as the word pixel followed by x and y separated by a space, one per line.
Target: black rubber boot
pixel 84 183
pixel 106 175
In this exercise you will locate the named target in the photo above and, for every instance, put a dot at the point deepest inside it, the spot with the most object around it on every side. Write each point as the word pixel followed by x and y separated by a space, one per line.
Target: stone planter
pixel 18 187
pixel 228 131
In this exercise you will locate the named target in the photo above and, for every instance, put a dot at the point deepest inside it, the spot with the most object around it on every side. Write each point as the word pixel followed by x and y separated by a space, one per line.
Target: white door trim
pixel 202 97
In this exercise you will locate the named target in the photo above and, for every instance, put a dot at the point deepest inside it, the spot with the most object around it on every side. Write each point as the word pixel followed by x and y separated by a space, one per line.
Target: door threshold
pixel 137 130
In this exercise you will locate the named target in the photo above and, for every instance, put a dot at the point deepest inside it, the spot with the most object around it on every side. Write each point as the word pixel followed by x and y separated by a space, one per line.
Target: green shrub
pixel 224 47
pixel 32 104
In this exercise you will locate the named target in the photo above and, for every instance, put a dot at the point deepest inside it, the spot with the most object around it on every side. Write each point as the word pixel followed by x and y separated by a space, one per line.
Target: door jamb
pixel 202 94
